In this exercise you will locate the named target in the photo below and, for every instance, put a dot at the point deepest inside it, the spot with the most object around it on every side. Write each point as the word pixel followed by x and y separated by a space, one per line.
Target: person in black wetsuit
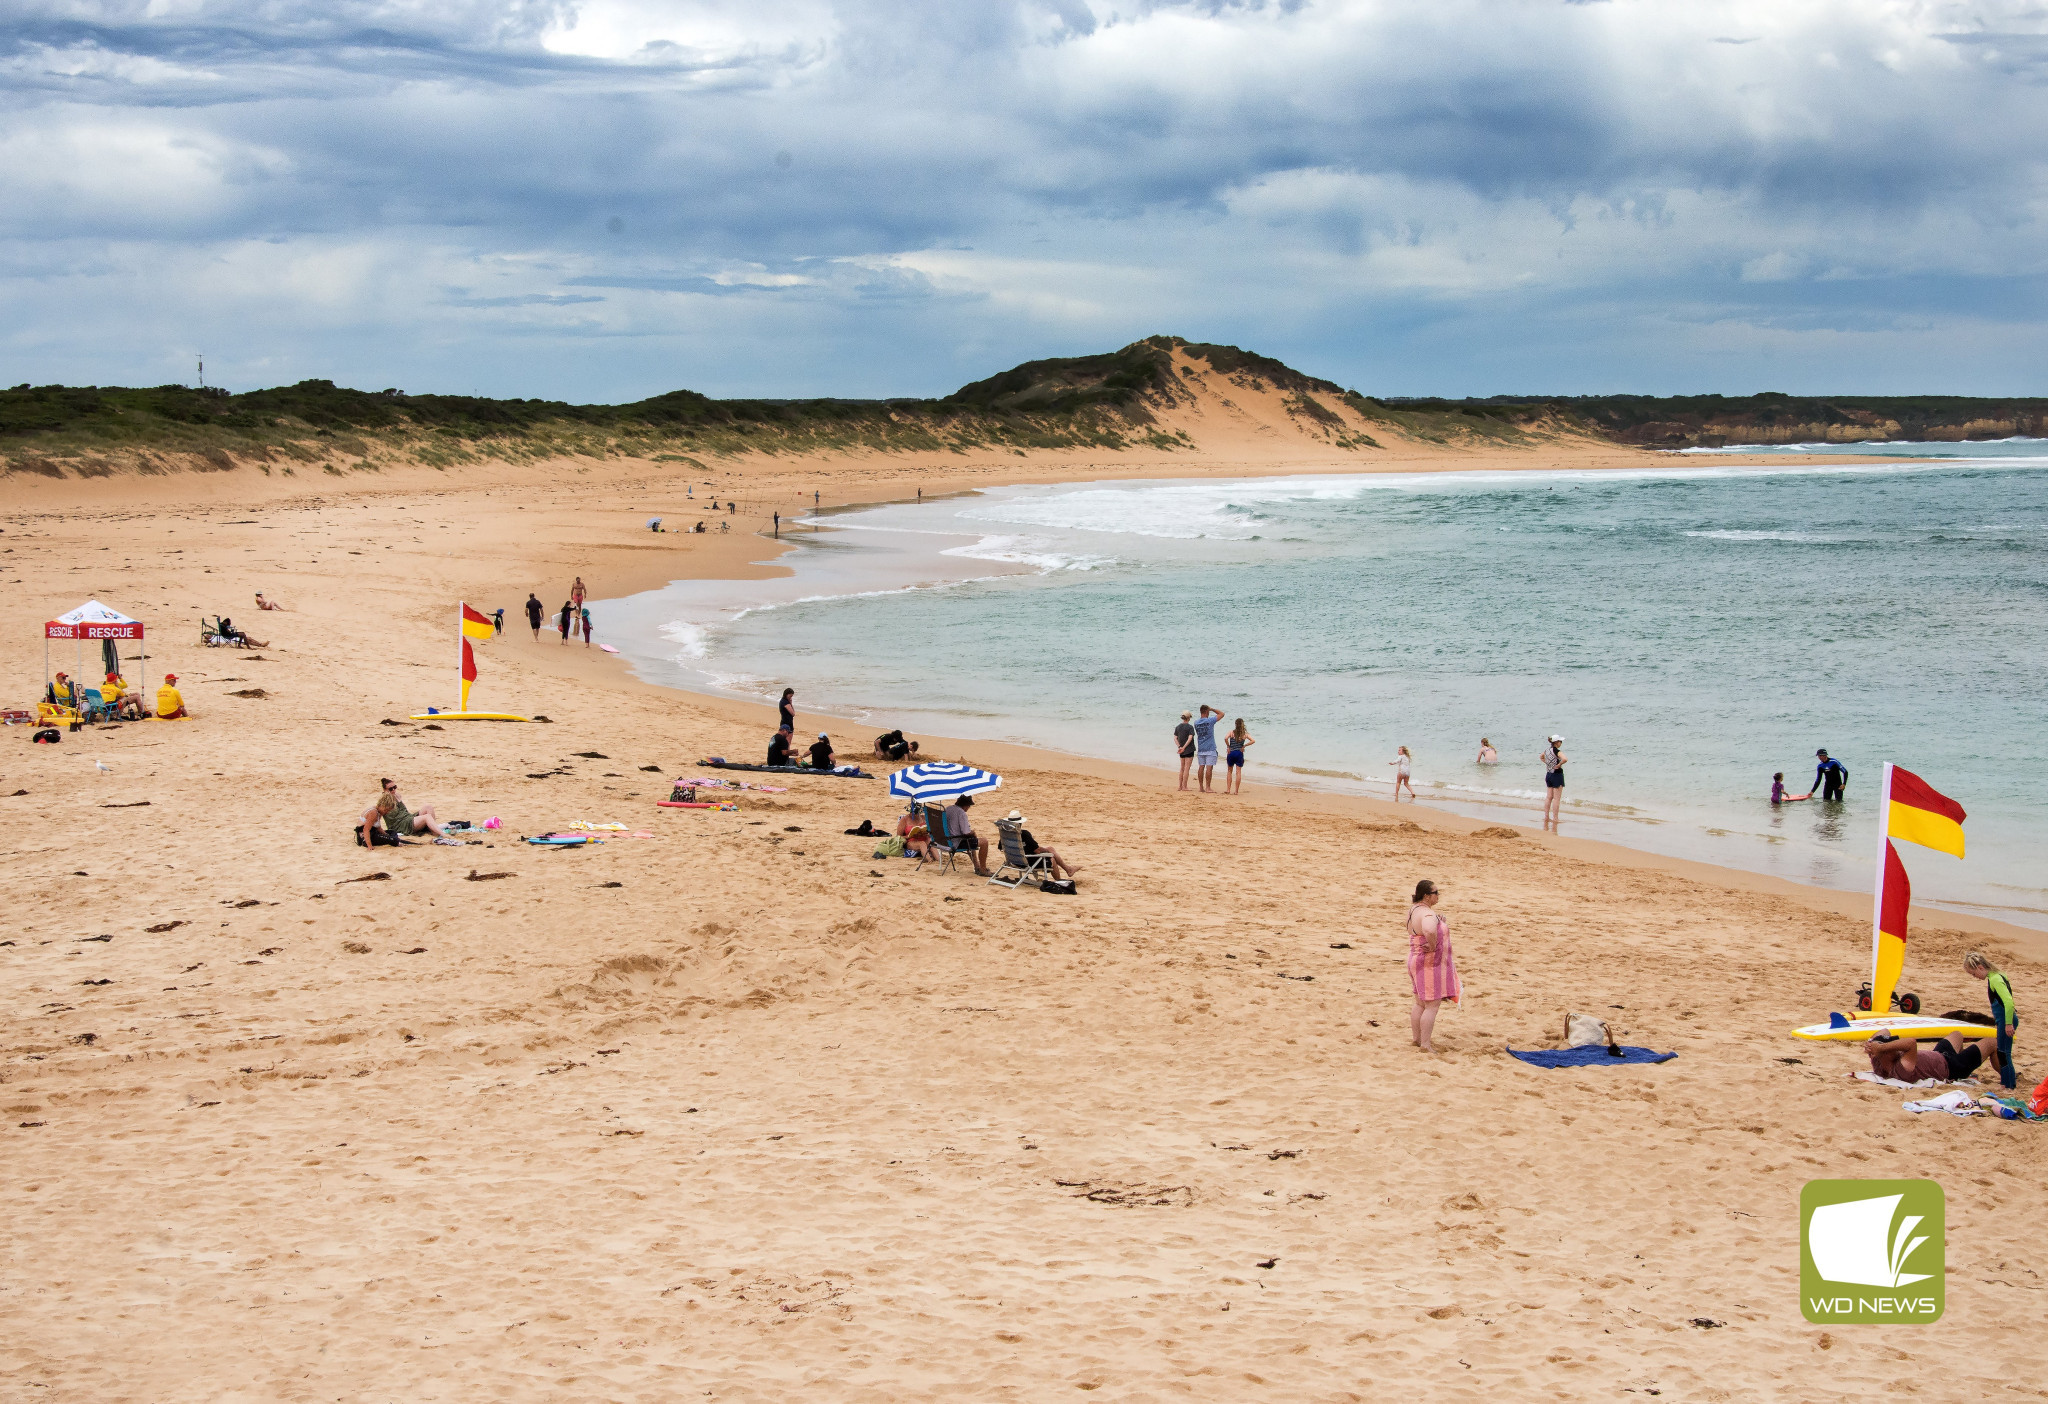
pixel 1830 777
pixel 778 749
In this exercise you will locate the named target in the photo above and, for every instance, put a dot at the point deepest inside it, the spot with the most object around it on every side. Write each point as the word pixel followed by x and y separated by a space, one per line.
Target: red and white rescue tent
pixel 92 620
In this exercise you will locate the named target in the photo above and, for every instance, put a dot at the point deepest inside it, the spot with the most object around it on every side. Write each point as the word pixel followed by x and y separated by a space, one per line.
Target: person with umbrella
pixel 928 781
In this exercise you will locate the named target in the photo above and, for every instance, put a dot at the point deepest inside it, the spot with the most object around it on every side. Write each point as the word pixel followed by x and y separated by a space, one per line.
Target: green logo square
pixel 1872 1251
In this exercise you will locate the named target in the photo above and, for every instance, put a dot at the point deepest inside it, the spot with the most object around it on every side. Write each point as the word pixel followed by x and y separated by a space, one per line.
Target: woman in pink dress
pixel 1431 967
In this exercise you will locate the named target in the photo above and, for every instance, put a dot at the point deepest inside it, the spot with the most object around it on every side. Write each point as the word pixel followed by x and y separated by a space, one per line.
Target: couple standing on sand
pixel 1194 741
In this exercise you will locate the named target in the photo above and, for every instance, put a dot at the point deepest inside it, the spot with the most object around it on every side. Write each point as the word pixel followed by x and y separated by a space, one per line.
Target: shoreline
pixel 1839 901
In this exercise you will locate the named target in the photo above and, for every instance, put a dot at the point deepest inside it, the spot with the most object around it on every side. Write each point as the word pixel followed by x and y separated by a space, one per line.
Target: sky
pixel 605 200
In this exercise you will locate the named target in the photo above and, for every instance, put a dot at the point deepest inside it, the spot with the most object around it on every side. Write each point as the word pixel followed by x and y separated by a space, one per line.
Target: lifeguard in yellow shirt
pixel 170 703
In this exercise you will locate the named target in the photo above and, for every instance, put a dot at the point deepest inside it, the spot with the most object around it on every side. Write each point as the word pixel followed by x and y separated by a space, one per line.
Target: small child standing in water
pixel 1778 795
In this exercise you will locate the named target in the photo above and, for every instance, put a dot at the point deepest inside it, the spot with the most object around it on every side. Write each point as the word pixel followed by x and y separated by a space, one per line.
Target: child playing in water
pixel 1778 795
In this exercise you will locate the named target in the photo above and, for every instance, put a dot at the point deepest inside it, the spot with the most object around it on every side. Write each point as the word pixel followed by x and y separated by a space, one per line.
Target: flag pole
pixel 1884 809
pixel 462 705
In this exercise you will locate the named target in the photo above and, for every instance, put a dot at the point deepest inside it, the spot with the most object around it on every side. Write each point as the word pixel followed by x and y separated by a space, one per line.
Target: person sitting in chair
pixel 960 834
pixel 1949 1059
pixel 821 752
pixel 236 637
pixel 1032 848
pixel 120 702
pixel 778 748
pixel 63 692
pixel 916 839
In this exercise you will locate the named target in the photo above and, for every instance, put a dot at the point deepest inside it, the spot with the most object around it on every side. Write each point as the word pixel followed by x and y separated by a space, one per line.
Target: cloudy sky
pixel 603 199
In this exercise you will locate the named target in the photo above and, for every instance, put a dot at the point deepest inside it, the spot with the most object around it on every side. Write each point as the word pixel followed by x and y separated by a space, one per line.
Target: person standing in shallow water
pixel 1553 759
pixel 1233 757
pixel 1432 969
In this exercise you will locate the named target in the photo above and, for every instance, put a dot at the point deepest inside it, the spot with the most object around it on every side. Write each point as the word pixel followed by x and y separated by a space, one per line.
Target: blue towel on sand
pixel 1596 1056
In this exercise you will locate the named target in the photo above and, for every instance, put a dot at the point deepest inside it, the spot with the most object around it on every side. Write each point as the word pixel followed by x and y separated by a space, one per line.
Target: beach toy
pixel 492 822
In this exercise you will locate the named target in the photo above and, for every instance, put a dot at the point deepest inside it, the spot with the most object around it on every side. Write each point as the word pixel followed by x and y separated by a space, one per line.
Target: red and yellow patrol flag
pixel 468 672
pixel 1894 898
pixel 476 626
pixel 1914 812
pixel 1918 813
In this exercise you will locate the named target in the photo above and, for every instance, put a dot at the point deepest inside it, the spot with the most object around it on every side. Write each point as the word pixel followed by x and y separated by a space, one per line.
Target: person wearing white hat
pixel 1553 759
pixel 1060 869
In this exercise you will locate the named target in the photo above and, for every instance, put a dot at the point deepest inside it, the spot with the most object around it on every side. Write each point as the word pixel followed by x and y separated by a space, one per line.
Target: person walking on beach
pixel 1205 747
pixel 778 526
pixel 564 619
pixel 585 621
pixel 1432 970
pixel 1184 745
pixel 535 612
pixel 577 592
pixel 1830 777
pixel 2004 1012
pixel 1233 757
pixel 1401 762
pixel 1487 755
pixel 788 709
pixel 1553 759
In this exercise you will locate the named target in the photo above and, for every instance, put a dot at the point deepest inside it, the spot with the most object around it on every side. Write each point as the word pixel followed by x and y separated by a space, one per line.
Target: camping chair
pixel 1028 865
pixel 941 846
pixel 95 708
pixel 209 632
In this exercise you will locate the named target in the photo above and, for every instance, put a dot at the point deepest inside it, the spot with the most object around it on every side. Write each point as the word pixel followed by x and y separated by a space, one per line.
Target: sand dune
pixel 738 1111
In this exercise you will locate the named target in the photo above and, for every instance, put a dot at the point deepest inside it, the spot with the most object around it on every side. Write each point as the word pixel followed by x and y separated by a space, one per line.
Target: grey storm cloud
pixel 610 198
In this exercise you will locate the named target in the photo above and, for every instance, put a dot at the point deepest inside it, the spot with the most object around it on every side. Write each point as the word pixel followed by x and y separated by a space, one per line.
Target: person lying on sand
pixel 1950 1059
pixel 399 821
pixel 262 603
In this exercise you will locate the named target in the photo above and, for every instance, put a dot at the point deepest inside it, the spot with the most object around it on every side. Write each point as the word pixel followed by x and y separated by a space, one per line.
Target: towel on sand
pixel 1954 1103
pixel 1588 1057
pixel 1866 1075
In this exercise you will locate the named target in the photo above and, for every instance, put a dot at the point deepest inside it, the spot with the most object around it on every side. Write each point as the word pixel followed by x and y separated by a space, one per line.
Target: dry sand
pixel 739 1112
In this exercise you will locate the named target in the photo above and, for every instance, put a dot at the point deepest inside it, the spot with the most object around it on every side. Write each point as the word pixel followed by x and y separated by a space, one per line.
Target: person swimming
pixel 1487 755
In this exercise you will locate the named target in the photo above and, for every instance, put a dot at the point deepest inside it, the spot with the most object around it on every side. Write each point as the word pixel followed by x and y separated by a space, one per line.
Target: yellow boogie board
pixel 469 716
pixel 1901 1025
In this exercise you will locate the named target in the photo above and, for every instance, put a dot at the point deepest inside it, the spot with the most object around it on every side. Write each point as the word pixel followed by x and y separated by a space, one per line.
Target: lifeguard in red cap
pixel 170 703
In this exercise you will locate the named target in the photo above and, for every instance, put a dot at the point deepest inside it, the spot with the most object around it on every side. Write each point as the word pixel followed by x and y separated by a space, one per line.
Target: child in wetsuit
pixel 2004 1012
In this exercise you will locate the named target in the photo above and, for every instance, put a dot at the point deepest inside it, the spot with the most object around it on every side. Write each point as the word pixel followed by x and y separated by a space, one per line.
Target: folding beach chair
pixel 95 707
pixel 942 847
pixel 1027 865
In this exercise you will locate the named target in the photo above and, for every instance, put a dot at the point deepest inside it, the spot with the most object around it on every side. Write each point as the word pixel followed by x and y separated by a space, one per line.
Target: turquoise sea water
pixel 1689 628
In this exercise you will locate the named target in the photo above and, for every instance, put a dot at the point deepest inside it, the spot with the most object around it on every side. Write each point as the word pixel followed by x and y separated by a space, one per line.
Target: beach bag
pixel 1584 1031
pixel 890 847
pixel 48 736
pixel 1058 887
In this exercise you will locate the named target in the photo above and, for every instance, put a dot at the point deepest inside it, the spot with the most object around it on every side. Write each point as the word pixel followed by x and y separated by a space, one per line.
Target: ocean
pixel 1689 627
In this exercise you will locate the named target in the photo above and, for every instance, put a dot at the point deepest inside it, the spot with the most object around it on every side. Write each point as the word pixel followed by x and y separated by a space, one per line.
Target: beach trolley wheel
pixel 1909 1004
pixel 1863 999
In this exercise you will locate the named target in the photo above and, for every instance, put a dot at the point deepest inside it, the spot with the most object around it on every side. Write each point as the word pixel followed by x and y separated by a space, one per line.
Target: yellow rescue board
pixel 1901 1025
pixel 469 716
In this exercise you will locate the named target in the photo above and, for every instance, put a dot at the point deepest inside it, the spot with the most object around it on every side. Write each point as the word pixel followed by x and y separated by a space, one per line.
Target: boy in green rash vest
pixel 2003 1011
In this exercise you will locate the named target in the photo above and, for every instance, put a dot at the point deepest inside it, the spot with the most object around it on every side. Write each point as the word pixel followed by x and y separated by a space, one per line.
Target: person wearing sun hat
pixel 1032 847
pixel 170 703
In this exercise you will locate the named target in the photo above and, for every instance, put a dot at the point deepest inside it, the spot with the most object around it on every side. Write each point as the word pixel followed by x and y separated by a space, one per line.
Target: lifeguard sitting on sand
pixel 170 703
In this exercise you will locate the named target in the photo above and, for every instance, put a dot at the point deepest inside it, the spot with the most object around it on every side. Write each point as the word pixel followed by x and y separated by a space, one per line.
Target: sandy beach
pixel 737 1111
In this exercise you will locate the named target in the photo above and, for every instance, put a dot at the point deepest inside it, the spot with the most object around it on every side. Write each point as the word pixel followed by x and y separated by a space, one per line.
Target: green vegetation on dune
pixel 1108 402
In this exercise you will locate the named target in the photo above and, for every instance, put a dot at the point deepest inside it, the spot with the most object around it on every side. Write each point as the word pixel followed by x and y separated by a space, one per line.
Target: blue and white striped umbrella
pixel 932 779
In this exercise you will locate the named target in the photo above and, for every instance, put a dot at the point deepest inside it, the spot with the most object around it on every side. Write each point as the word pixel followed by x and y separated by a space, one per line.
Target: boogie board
pixel 564 840
pixel 1903 1025
pixel 686 804
pixel 468 716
